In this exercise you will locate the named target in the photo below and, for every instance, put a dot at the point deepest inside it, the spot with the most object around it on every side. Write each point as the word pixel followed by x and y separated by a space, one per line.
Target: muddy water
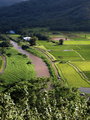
pixel 40 66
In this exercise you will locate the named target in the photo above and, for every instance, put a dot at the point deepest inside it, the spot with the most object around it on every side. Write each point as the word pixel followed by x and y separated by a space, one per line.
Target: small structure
pixel 27 38
pixel 11 32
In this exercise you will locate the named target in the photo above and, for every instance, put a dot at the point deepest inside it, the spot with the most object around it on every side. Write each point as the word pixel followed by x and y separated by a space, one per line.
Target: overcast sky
pixel 9 2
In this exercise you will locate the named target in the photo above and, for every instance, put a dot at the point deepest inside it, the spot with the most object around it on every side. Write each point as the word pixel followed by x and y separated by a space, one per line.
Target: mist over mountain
pixel 55 14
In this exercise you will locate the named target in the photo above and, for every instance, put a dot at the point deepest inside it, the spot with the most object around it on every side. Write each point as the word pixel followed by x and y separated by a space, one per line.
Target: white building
pixel 27 38
pixel 11 32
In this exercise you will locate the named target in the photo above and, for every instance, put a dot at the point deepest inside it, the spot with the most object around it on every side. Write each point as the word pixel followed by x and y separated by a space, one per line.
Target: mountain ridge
pixel 55 14
pixel 4 3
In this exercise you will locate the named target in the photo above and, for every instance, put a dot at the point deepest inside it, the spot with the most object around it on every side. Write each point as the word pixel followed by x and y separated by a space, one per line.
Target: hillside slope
pixel 56 14
pixel 8 2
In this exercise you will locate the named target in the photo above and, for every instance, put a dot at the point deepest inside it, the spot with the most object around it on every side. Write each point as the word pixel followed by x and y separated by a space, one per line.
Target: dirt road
pixel 40 66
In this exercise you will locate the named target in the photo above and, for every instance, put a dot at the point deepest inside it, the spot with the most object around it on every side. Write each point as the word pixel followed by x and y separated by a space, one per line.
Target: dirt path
pixel 51 60
pixel 4 65
pixel 40 66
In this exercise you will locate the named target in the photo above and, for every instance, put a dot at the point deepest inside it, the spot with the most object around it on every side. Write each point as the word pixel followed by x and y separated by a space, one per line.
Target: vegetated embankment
pixel 40 66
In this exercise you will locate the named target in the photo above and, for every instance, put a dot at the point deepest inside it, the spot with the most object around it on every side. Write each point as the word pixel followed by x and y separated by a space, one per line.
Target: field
pixel 72 77
pixel 0 62
pixel 17 68
pixel 14 36
pixel 76 52
pixel 73 59
pixel 84 66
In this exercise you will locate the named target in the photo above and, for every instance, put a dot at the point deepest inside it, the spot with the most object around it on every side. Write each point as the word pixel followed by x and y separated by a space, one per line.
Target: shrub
pixel 24 47
pixel 29 62
pixel 9 54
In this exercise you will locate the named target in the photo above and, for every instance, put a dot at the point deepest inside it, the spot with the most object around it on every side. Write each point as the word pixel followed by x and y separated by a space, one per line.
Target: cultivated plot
pixel 18 67
pixel 75 52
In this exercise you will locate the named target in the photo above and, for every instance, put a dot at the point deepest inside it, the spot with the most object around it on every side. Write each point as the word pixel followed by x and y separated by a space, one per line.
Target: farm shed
pixel 27 38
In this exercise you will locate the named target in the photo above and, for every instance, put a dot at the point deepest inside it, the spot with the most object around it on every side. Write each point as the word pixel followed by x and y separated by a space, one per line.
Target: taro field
pixel 73 58
pixel 18 67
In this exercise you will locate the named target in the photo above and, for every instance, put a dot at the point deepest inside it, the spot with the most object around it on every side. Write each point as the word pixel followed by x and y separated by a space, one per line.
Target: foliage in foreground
pixel 41 99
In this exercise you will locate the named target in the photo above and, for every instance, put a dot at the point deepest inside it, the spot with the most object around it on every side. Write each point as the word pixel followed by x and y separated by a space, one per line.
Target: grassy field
pixel 73 51
pixel 17 68
pixel 72 77
pixel 0 62
pixel 84 66
pixel 73 42
pixel 14 36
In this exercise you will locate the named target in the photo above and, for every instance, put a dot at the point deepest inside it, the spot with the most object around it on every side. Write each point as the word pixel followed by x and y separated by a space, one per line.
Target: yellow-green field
pixel 17 68
pixel 0 62
pixel 73 57
pixel 72 77
pixel 84 66
pixel 77 53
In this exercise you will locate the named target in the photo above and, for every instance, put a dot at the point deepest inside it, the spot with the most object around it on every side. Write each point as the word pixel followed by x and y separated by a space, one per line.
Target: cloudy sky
pixel 9 2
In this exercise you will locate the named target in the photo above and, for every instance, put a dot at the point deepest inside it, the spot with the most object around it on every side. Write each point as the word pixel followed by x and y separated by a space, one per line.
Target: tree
pixel 42 36
pixel 2 50
pixel 24 47
pixel 33 41
pixel 61 42
pixel 4 44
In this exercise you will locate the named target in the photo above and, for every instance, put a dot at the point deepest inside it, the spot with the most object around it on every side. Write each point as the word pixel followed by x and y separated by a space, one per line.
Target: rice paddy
pixel 76 52
pixel 17 68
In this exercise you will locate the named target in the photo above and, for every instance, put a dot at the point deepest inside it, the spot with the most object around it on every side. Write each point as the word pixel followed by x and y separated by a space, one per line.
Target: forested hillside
pixel 8 2
pixel 34 100
pixel 55 14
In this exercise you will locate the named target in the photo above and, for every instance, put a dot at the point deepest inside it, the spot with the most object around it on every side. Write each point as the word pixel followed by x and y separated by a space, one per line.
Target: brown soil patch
pixel 58 38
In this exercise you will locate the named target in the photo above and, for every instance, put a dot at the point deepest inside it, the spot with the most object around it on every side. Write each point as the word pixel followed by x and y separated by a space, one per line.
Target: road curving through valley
pixel 41 68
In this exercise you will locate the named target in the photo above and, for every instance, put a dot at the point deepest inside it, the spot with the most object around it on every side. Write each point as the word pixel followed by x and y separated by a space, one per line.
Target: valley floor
pixel 72 59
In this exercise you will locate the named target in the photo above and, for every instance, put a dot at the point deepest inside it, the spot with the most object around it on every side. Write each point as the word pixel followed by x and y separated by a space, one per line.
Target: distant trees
pixel 4 44
pixel 61 42
pixel 2 37
pixel 42 36
pixel 2 51
pixel 33 40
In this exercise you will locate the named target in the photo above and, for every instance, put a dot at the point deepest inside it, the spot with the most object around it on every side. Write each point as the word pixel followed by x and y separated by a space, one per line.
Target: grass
pixel 72 77
pixel 76 52
pixel 0 62
pixel 67 51
pixel 84 66
pixel 17 68
pixel 72 42
pixel 65 55
pixel 14 36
